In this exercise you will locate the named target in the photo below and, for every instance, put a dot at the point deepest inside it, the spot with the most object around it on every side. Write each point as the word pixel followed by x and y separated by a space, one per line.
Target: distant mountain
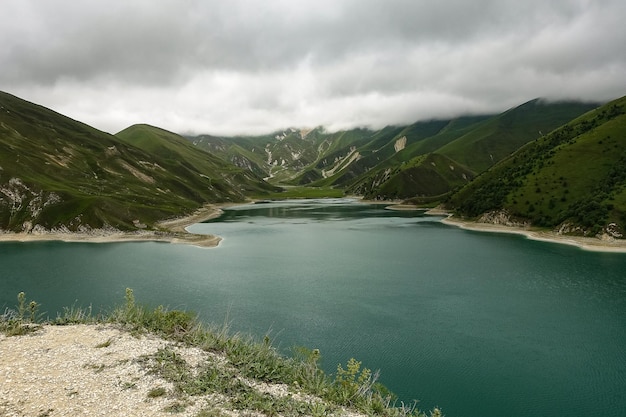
pixel 424 161
pixel 572 179
pixel 281 156
pixel 58 173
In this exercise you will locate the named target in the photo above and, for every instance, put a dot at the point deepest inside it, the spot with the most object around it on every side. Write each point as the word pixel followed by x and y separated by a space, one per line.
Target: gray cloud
pixel 242 66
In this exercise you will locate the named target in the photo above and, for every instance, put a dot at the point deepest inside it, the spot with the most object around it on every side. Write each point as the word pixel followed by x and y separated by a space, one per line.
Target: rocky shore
pixel 603 244
pixel 170 231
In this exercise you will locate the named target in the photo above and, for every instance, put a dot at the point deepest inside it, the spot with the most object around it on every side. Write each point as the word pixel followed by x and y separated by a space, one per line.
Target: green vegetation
pixel 57 173
pixel 499 136
pixel 157 392
pixel 572 178
pixel 182 157
pixel 22 320
pixel 396 162
pixel 424 178
pixel 244 364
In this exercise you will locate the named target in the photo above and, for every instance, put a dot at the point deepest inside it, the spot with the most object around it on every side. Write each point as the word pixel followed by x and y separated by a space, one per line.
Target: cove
pixel 479 324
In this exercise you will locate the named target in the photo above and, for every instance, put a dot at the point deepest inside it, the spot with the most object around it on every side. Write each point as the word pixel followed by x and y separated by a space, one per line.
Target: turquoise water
pixel 479 324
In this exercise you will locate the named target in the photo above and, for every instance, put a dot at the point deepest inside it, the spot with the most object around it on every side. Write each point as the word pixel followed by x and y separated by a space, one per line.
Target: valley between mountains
pixel 553 166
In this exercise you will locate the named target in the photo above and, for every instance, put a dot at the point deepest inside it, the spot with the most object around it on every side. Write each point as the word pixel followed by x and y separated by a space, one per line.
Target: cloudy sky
pixel 256 66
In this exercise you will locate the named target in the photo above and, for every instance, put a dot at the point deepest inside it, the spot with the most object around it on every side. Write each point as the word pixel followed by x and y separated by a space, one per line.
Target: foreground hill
pixel 59 174
pixel 138 361
pixel 572 180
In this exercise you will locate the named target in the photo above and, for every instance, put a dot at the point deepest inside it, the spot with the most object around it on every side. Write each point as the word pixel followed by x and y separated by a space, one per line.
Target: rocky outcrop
pixel 503 218
pixel 18 200
pixel 613 231
pixel 400 144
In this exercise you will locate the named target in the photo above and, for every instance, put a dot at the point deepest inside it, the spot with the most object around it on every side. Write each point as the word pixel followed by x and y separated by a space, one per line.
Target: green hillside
pixel 423 179
pixel 279 157
pixel 572 180
pixel 470 144
pixel 193 167
pixel 452 130
pixel 396 161
pixel 57 173
pixel 348 163
pixel 499 136
pixel 416 172
pixel 238 151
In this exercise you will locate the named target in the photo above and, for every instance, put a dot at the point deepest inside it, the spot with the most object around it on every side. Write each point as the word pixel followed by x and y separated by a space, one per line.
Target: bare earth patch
pixel 85 370
pixel 102 370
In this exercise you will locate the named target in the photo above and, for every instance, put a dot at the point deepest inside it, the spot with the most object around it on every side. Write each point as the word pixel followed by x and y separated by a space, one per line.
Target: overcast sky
pixel 236 67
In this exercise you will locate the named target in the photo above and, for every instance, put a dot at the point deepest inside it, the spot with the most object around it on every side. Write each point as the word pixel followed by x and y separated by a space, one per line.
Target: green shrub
pixel 21 320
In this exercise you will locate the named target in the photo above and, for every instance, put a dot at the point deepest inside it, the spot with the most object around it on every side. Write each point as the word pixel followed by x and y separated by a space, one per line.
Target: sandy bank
pixel 170 231
pixel 405 207
pixel 586 243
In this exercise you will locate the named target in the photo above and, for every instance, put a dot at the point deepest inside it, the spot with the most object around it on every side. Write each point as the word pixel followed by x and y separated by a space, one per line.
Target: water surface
pixel 479 324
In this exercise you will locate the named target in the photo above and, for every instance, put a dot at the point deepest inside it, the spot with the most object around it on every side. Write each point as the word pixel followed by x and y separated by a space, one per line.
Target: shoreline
pixel 174 231
pixel 171 231
pixel 592 244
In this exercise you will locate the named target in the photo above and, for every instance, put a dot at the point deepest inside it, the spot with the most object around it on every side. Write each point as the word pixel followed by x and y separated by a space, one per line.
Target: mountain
pixel 424 179
pixel 196 170
pixel 499 136
pixel 463 147
pixel 57 173
pixel 572 179
pixel 280 156
pixel 423 161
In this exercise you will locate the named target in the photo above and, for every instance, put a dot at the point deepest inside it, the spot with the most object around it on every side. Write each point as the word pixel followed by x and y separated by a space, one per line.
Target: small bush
pixel 22 320
pixel 157 392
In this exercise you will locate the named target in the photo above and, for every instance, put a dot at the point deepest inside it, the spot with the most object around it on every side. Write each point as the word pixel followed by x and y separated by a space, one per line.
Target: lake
pixel 480 324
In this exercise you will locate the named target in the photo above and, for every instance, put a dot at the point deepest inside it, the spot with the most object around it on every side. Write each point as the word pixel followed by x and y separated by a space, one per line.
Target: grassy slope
pixel 55 156
pixel 453 129
pixel 471 145
pixel 574 176
pixel 425 178
pixel 241 152
pixel 500 136
pixel 335 147
pixel 367 162
pixel 56 172
pixel 406 175
pixel 368 148
pixel 196 168
pixel 281 155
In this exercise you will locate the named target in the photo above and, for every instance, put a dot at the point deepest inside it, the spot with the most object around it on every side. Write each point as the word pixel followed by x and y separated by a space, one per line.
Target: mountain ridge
pixel 366 162
pixel 57 173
